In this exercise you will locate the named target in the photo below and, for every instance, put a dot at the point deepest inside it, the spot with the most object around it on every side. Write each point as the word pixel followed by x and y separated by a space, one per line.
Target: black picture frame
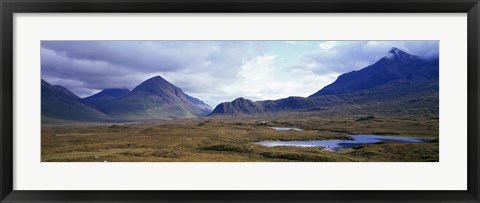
pixel 10 7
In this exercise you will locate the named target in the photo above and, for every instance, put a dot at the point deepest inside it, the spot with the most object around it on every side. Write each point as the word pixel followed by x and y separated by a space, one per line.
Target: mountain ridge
pixel 396 75
pixel 396 66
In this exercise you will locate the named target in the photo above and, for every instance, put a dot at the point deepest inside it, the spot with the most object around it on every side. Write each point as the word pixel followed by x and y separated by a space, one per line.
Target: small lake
pixel 334 145
pixel 285 129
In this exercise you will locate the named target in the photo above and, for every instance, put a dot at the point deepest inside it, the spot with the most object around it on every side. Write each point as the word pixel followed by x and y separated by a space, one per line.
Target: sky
pixel 215 71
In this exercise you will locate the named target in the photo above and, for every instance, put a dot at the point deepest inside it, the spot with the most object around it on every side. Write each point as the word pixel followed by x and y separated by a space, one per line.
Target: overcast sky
pixel 215 71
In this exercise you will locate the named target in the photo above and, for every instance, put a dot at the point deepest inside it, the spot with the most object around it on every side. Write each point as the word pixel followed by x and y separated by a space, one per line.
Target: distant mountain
pixel 155 98
pixel 246 106
pixel 59 103
pixel 397 81
pixel 105 96
pixel 238 106
pixel 397 67
pixel 65 91
pixel 199 103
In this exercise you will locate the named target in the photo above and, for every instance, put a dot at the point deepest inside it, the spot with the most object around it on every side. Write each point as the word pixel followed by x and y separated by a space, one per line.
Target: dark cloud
pixel 214 71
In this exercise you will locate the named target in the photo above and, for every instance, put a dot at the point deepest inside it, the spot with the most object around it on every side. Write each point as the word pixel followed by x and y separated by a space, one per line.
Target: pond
pixel 334 145
pixel 285 129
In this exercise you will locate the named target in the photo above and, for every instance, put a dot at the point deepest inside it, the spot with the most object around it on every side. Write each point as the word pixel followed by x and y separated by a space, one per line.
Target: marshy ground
pixel 230 139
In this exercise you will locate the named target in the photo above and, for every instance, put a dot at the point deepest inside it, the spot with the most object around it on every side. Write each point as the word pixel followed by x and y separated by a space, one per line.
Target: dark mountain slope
pixel 238 106
pixel 199 103
pixel 59 103
pixel 105 96
pixel 397 66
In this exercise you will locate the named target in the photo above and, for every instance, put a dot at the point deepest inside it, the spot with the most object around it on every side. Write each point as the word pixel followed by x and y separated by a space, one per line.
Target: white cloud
pixel 260 78
pixel 327 44
pixel 292 42
pixel 297 42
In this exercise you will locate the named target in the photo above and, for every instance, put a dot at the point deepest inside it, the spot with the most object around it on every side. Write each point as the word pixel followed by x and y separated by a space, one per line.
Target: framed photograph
pixel 227 101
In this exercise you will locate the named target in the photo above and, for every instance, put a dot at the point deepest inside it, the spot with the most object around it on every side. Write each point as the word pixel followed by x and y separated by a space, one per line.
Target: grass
pixel 229 139
pixel 366 118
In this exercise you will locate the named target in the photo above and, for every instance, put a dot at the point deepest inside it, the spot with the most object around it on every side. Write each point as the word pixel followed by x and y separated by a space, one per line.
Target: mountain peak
pixel 395 50
pixel 156 79
pixel 156 84
pixel 397 53
pixel 240 99
pixel 238 106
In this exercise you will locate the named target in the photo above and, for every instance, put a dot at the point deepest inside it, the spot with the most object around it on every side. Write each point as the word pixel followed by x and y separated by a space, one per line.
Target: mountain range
pixel 398 76
pixel 398 79
pixel 155 98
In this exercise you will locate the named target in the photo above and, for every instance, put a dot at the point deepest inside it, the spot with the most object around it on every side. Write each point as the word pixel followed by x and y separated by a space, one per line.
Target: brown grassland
pixel 230 139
